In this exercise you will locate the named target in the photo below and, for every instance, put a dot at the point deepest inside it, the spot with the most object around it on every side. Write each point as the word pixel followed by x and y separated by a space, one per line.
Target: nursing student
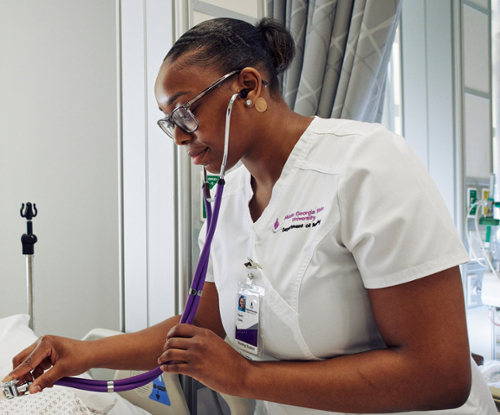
pixel 348 239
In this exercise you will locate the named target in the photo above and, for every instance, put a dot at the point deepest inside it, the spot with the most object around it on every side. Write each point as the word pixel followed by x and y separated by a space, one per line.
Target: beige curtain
pixel 343 50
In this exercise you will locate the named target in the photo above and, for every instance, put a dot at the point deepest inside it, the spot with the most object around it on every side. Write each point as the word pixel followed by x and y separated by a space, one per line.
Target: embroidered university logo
pixel 300 219
pixel 276 226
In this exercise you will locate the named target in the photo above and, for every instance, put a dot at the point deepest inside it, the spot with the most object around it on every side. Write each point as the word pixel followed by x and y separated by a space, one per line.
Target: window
pixel 495 73
pixel 392 116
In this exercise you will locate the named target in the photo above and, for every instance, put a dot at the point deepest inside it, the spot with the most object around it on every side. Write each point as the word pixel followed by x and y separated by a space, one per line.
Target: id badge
pixel 247 320
pixel 247 337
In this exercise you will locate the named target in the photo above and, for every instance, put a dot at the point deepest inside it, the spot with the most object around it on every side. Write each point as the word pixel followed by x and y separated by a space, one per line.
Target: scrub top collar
pixel 299 151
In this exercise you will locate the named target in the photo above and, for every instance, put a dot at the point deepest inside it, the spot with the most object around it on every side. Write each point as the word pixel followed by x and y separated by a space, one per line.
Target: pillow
pixel 15 336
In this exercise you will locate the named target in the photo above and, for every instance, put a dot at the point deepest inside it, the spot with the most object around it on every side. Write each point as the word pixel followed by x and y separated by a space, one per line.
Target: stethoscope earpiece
pixel 243 93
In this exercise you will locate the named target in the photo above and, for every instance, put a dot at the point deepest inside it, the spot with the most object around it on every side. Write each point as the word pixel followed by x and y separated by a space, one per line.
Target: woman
pixel 363 309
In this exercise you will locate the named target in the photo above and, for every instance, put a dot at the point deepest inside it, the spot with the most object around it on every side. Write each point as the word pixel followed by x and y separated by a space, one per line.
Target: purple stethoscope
pixel 12 389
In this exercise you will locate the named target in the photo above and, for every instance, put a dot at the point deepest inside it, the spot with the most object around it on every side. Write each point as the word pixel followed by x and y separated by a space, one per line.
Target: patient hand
pixel 49 359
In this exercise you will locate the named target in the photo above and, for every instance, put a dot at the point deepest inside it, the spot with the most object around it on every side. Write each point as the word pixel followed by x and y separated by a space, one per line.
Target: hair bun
pixel 280 42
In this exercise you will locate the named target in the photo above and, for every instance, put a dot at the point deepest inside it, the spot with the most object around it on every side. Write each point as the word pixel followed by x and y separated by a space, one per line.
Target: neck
pixel 280 129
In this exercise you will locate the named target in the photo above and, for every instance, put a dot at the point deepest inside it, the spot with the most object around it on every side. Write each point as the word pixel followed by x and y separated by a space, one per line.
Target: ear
pixel 250 84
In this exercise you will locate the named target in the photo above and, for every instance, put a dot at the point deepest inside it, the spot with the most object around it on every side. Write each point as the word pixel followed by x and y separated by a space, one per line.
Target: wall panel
pixel 59 148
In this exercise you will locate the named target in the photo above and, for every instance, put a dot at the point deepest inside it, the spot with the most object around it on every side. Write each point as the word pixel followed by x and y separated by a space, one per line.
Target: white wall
pixel 59 148
pixel 148 168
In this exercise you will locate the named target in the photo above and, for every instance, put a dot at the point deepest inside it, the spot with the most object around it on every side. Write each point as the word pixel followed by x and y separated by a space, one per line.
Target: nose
pixel 180 136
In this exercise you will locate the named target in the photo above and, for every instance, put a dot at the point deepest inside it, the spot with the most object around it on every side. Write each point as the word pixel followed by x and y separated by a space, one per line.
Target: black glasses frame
pixel 168 123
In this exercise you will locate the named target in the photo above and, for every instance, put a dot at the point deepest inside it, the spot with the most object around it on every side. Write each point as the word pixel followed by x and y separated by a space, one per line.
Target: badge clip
pixel 250 265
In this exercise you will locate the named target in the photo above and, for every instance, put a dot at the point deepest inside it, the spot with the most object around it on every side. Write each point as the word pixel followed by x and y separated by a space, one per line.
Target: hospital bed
pixel 162 397
pixel 142 396
pixel 490 370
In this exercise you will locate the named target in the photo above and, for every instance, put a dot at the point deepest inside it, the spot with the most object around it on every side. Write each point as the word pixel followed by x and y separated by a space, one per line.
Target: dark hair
pixel 230 44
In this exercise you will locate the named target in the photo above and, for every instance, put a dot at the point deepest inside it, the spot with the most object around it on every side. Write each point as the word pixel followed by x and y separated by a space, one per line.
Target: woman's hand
pixel 203 355
pixel 47 360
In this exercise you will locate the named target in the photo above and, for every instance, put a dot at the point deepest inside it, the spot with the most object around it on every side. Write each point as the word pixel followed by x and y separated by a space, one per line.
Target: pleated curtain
pixel 343 50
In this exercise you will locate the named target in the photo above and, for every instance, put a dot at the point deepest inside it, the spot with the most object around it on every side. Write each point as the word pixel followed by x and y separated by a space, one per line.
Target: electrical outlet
pixel 471 199
pixel 485 193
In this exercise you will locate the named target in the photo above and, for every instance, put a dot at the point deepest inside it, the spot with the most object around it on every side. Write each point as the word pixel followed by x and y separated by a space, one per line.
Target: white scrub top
pixel 354 209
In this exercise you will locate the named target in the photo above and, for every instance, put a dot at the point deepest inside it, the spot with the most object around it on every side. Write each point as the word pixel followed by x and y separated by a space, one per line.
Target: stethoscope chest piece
pixel 13 389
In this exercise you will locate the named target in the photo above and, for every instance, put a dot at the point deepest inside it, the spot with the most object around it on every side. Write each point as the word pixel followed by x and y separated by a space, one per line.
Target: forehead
pixel 177 83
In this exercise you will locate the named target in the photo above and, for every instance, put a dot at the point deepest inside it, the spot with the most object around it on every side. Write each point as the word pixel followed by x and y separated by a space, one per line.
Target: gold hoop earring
pixel 261 104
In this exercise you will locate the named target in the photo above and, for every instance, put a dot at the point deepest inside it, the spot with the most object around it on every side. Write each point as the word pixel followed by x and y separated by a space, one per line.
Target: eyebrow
pixel 174 97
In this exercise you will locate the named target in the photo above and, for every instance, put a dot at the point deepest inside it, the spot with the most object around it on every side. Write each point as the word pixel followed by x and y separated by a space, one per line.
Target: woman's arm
pixel 140 350
pixel 426 364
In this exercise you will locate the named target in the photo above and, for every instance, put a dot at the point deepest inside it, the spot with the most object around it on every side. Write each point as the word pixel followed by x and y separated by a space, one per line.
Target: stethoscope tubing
pixel 201 270
pixel 212 219
pixel 193 299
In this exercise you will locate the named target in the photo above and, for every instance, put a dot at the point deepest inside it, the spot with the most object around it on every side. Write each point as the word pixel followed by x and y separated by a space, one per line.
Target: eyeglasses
pixel 182 116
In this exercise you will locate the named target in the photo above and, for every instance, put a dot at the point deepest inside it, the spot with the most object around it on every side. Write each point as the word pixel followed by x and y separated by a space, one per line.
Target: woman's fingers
pixel 47 379
pixel 28 360
pixel 177 343
pixel 174 356
pixel 37 372
pixel 176 367
pixel 183 330
pixel 203 355
pixel 16 361
pixel 42 367
pixel 48 360
pixel 179 339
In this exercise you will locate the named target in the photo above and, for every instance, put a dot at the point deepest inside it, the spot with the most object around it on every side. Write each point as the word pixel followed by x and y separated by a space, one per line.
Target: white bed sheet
pixel 15 335
pixel 53 402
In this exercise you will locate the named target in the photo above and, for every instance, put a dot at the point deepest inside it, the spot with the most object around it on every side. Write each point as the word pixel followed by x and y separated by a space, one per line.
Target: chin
pixel 212 169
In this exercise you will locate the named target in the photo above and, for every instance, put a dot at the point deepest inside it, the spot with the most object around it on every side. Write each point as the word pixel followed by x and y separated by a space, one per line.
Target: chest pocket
pixel 280 327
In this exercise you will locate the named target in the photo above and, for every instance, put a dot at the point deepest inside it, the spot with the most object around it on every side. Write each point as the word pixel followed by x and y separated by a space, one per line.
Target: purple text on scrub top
pixel 307 215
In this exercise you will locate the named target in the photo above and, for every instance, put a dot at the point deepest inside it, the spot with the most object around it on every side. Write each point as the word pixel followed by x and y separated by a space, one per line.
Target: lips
pixel 197 155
